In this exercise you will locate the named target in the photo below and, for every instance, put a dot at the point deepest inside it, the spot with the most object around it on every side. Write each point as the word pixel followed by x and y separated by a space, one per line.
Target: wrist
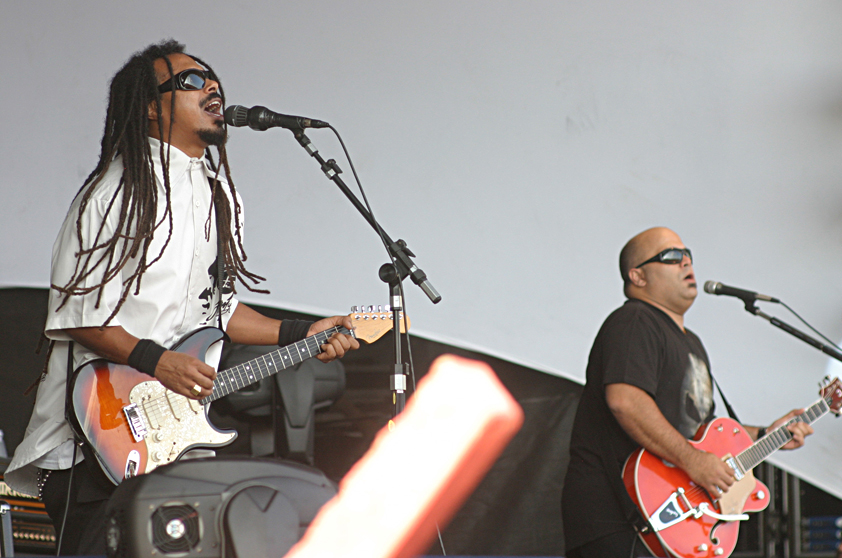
pixel 145 356
pixel 761 432
pixel 292 331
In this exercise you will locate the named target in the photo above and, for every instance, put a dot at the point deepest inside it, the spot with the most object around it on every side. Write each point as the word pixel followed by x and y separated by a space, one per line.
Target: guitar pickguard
pixel 174 424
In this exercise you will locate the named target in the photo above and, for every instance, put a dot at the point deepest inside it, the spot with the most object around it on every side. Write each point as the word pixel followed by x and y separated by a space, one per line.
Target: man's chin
pixel 216 137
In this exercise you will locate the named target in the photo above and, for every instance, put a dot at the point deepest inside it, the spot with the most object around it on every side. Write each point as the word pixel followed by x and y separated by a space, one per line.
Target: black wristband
pixel 292 331
pixel 145 356
pixel 761 432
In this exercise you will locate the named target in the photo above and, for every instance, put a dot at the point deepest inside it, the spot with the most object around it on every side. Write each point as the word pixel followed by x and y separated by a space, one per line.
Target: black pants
pixel 623 544
pixel 84 527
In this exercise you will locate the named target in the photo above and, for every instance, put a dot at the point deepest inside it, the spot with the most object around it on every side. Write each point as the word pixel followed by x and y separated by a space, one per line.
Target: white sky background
pixel 516 146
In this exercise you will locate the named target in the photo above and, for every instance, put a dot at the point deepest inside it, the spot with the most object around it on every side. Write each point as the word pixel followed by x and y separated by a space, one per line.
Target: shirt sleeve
pixel 633 354
pixel 93 308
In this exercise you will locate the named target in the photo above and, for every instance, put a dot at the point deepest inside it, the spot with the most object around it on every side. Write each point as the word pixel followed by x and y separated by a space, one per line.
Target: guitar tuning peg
pixel 354 309
pixel 388 308
pixel 379 307
pixel 371 309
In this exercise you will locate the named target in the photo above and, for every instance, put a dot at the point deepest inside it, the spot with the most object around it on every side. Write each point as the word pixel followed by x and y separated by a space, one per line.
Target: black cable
pixel 365 199
pixel 385 245
pixel 397 274
pixel 67 503
pixel 817 332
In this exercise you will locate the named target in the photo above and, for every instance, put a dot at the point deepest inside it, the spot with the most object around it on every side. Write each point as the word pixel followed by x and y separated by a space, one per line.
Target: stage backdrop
pixel 515 145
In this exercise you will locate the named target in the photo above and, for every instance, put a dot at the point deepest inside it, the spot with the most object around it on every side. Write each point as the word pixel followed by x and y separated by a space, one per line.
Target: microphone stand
pixel 392 273
pixel 751 307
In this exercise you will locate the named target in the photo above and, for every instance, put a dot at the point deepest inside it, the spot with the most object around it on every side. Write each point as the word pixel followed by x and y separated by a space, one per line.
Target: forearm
pixel 641 418
pixel 113 343
pixel 179 372
pixel 249 327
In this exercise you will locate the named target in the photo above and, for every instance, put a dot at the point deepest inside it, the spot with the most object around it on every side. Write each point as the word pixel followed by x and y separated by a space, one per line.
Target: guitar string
pixel 240 376
pixel 237 375
pixel 317 340
pixel 243 374
pixel 780 436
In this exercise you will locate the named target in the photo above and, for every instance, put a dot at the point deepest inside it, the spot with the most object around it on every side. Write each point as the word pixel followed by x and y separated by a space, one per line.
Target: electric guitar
pixel 685 521
pixel 134 424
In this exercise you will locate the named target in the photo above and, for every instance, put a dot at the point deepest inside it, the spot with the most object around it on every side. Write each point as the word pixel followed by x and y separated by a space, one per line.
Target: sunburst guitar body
pixel 133 424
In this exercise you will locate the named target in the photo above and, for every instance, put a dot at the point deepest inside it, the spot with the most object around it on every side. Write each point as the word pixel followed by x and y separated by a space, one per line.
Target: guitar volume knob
pixel 719 552
pixel 157 456
pixel 702 548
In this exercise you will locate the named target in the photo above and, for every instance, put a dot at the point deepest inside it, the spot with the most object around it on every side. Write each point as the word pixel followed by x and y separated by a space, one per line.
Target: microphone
pixel 717 288
pixel 261 118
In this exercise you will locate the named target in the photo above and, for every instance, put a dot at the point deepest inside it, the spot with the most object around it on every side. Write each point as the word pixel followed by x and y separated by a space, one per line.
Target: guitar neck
pixel 232 379
pixel 777 438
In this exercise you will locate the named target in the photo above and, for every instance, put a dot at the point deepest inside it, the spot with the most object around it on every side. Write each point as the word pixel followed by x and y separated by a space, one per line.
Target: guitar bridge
pixel 671 512
pixel 136 423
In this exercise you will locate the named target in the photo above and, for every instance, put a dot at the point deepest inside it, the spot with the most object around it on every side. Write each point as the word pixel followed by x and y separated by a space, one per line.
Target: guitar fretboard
pixel 777 438
pixel 232 379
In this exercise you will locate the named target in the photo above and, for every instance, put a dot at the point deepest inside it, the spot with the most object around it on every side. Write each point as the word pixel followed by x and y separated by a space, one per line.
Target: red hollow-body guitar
pixel 684 520
pixel 134 424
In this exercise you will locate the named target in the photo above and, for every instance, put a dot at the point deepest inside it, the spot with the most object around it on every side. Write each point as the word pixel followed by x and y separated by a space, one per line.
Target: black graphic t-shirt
pixel 642 346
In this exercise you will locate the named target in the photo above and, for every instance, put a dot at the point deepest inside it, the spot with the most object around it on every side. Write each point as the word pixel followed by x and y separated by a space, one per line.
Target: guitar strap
pixel 78 436
pixel 68 386
pixel 220 279
pixel 728 407
pixel 220 268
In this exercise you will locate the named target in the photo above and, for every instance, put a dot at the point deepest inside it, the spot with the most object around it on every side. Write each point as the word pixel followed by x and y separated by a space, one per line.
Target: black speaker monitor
pixel 195 508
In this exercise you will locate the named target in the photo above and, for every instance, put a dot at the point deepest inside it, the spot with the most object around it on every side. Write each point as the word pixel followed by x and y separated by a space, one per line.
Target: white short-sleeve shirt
pixel 178 294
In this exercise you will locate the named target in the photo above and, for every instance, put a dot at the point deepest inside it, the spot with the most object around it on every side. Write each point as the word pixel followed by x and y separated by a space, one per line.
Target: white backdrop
pixel 515 145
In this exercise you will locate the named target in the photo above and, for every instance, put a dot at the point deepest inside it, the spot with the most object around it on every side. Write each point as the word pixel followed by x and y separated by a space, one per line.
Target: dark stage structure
pixel 515 510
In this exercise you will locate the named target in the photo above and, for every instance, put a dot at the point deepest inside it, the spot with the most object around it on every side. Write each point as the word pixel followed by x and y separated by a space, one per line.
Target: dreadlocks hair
pixel 126 135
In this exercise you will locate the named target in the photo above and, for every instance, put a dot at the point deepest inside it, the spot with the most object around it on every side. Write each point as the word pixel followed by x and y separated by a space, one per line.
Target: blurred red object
pixel 417 474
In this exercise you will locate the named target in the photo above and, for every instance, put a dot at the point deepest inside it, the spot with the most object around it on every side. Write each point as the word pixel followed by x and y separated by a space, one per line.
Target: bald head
pixel 671 287
pixel 642 247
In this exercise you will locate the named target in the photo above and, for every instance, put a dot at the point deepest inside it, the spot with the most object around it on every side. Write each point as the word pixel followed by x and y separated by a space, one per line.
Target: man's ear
pixel 637 277
pixel 152 111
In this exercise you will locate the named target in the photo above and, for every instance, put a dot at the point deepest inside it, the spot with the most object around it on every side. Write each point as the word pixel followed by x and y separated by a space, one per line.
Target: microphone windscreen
pixel 710 287
pixel 237 116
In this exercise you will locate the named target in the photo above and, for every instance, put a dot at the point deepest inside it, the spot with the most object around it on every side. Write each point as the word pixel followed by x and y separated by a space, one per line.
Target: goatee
pixel 214 137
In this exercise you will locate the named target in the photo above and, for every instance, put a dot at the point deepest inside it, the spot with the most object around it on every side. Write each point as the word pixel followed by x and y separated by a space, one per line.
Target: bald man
pixel 648 384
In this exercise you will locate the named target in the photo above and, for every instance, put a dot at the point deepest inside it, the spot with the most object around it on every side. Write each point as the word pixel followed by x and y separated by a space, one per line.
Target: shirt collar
pixel 179 160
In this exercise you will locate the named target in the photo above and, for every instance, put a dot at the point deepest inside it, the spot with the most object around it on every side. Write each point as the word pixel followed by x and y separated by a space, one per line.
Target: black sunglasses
pixel 669 256
pixel 188 80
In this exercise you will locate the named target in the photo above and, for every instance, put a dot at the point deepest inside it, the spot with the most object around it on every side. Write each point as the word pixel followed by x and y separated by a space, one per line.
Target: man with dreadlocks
pixel 136 267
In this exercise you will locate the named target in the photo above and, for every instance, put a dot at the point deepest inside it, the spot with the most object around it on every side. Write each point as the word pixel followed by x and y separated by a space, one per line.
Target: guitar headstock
pixel 831 392
pixel 371 323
